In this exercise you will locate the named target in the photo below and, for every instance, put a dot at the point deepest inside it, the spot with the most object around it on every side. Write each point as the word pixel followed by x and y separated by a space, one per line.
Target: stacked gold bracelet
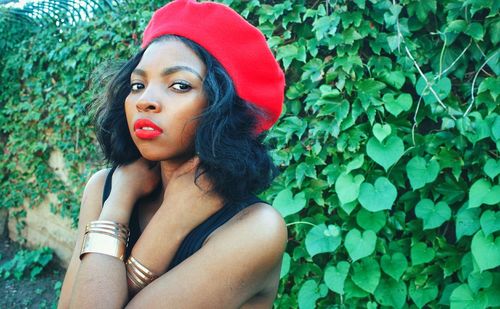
pixel 138 274
pixel 105 237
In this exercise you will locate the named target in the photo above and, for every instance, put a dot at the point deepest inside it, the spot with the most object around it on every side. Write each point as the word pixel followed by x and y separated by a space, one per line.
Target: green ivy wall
pixel 388 144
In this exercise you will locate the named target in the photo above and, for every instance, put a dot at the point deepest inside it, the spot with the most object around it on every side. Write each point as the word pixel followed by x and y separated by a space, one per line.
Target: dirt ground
pixel 40 293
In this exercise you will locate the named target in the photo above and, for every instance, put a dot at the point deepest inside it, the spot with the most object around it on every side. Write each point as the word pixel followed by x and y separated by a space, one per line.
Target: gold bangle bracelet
pixel 139 274
pixel 103 244
pixel 109 227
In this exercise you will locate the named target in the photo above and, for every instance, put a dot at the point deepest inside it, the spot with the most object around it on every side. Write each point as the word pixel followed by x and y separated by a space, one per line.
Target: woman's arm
pixel 228 270
pixel 98 281
pixel 90 209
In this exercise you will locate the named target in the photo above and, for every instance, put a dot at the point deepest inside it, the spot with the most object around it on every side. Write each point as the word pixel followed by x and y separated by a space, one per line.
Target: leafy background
pixel 388 145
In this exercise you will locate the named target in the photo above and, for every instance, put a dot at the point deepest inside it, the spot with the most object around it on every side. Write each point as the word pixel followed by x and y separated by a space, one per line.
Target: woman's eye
pixel 136 87
pixel 181 86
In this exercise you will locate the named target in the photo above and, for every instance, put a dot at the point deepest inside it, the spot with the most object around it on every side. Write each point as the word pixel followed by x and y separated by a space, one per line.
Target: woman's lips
pixel 146 129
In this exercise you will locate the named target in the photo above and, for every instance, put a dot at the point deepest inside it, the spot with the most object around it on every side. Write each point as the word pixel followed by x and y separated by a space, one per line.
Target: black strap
pixel 107 185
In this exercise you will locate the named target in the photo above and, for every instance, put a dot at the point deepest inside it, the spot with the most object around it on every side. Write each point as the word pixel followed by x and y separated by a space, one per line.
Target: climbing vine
pixel 388 144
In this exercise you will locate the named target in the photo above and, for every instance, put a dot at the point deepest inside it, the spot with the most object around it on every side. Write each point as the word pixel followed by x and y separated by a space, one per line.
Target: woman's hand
pixel 129 183
pixel 137 179
pixel 188 201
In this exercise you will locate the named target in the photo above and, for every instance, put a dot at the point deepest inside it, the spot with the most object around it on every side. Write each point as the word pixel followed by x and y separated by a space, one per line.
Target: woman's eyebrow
pixel 170 70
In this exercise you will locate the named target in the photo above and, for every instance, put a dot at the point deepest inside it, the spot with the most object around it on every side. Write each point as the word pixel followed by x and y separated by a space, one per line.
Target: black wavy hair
pixel 231 155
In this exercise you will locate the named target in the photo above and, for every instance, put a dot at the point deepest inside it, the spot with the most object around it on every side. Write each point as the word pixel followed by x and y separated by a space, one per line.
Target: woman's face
pixel 166 94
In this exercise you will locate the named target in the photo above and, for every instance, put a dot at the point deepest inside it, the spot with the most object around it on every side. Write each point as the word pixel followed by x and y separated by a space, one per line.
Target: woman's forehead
pixel 170 53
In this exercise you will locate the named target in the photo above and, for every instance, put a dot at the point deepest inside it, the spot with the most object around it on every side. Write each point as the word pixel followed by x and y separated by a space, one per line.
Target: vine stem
pixel 427 81
pixel 474 82
pixel 300 222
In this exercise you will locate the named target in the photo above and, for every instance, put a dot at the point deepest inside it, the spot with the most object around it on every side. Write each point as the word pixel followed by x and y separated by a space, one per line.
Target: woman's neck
pixel 168 167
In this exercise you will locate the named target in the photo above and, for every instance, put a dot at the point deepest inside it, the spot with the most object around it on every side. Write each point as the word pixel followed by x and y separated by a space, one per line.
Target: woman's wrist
pixel 118 208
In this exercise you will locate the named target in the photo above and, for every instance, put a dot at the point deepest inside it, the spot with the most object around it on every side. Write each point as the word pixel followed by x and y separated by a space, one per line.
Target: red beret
pixel 240 47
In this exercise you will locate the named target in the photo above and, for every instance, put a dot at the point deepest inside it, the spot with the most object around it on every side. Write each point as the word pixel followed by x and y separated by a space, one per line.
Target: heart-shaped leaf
pixel 492 168
pixel 309 293
pixel 347 187
pixel 349 207
pixel 421 172
pixel 422 295
pixel 397 105
pixel 390 292
pixel 335 276
pixel 442 87
pixel 395 79
pixel 381 131
pixel 420 253
pixel 287 204
pixel 462 297
pixel 394 265
pixel 366 274
pixel 285 265
pixel 378 197
pixel 485 250
pixel 432 215
pixel 374 221
pixel 356 163
pixel 479 280
pixel 322 239
pixel 467 222
pixel 481 192
pixel 490 221
pixel 385 154
pixel 358 246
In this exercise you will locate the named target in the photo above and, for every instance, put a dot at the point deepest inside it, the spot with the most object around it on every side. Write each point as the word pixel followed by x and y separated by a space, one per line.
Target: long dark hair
pixel 231 155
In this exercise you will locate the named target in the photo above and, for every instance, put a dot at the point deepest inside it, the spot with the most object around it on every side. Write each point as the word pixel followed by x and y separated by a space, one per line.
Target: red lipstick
pixel 146 129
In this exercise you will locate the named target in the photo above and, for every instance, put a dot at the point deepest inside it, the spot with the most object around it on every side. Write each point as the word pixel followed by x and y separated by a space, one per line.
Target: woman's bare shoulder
pixel 95 184
pixel 257 224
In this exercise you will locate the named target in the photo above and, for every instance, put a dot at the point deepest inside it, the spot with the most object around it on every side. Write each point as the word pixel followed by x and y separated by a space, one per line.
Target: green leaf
pixel 360 245
pixel 356 163
pixel 369 86
pixel 287 204
pixel 475 31
pixel 485 250
pixel 463 298
pixel 394 265
pixel 456 26
pixel 467 222
pixel 442 87
pixel 366 274
pixel 309 293
pixel 391 293
pixel 385 154
pixel 422 295
pixel 481 192
pixel 397 105
pixel 479 280
pixel 381 131
pixel 432 215
pixel 374 221
pixel 378 197
pixel 395 79
pixel 335 276
pixel 490 222
pixel 321 239
pixel 347 187
pixel 421 172
pixel 421 254
pixel 492 168
pixel 285 265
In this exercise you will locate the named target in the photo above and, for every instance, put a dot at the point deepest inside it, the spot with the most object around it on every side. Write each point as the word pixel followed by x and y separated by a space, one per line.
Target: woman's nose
pixel 148 105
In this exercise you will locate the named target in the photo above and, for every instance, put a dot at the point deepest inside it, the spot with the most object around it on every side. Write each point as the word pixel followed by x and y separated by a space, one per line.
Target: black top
pixel 197 236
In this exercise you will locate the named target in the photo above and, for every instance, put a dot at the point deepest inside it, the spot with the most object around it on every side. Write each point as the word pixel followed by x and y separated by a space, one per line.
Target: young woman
pixel 175 223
